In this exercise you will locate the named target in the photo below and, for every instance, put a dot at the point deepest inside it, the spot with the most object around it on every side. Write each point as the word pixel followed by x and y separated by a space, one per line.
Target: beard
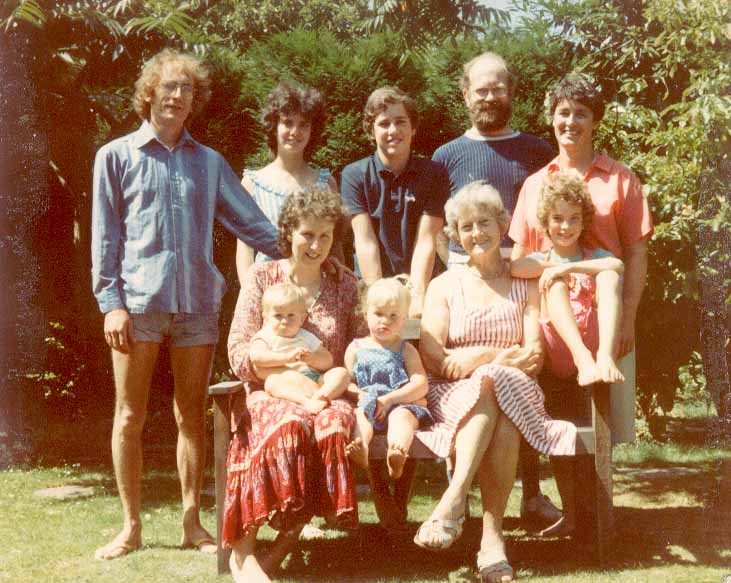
pixel 490 117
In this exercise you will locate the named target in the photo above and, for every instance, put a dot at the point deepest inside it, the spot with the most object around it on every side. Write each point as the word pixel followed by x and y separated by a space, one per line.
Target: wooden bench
pixel 595 439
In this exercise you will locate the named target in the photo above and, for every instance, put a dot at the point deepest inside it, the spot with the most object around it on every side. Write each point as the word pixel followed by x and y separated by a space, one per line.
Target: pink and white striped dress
pixel 499 325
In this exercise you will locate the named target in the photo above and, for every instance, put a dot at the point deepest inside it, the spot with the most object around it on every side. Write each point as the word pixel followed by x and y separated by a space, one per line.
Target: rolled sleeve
pixel 434 206
pixel 352 190
pixel 636 220
pixel 238 212
pixel 105 232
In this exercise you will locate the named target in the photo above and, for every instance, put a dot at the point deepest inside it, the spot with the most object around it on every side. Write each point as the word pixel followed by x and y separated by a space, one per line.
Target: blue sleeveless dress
pixel 379 371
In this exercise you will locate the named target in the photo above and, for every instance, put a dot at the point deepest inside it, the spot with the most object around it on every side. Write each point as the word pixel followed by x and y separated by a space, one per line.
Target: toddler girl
pixel 390 377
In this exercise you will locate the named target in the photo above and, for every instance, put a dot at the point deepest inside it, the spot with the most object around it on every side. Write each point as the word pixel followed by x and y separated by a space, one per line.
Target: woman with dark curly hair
pixel 286 462
pixel 293 119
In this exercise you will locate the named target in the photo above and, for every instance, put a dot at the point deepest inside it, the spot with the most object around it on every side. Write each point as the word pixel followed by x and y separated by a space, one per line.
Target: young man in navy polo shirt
pixel 396 205
pixel 395 199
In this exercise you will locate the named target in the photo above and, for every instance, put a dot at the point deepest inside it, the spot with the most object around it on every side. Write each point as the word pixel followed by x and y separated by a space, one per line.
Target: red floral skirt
pixel 285 465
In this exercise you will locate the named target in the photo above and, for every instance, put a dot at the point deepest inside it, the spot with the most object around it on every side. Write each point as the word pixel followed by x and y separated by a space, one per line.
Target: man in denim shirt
pixel 156 194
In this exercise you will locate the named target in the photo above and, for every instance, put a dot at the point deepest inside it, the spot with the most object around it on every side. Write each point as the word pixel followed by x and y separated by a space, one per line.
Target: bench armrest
pixel 226 388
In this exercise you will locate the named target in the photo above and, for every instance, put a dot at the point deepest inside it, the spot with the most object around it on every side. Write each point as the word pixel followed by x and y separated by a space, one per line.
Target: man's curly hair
pixel 287 99
pixel 317 202
pixel 150 78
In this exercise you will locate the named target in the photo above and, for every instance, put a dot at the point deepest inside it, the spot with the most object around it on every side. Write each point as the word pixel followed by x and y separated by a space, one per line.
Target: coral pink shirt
pixel 622 214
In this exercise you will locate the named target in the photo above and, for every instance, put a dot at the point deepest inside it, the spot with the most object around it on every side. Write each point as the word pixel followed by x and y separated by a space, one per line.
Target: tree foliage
pixel 664 65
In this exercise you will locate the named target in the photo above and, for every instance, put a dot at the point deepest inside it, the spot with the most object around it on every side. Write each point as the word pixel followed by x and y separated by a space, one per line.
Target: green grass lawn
pixel 672 511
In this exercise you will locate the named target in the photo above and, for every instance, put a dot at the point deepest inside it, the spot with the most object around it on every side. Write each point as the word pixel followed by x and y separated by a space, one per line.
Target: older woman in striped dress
pixel 481 346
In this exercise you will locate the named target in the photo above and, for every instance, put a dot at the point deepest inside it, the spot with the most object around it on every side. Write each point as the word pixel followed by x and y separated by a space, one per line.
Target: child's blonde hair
pixel 389 290
pixel 570 188
pixel 282 294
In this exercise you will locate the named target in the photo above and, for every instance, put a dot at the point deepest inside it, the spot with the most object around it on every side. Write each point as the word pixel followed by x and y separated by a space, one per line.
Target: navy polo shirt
pixel 395 203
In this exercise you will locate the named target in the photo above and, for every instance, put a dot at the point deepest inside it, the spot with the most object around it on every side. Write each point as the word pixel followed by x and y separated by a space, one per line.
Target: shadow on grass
pixel 645 538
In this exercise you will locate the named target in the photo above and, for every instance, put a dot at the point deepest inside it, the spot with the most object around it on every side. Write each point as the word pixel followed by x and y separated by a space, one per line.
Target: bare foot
pixel 396 458
pixel 357 451
pixel 587 371
pixel 562 527
pixel 608 370
pixel 314 406
pixel 248 571
pixel 123 544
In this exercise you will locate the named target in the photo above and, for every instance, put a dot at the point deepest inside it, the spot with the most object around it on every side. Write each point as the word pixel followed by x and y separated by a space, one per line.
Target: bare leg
pixel 244 566
pixel 334 383
pixel 563 470
pixel 402 424
pixel 132 378
pixel 191 372
pixel 562 318
pixel 529 475
pixel 471 443
pixel 283 545
pixel 608 298
pixel 289 379
pixel 357 449
pixel 497 474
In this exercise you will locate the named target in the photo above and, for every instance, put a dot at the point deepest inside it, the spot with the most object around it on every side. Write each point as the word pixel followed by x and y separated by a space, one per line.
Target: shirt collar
pixel 601 162
pixel 145 134
pixel 472 134
pixel 380 168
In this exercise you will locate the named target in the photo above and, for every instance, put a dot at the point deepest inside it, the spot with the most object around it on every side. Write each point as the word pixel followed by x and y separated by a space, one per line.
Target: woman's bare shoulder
pixel 443 282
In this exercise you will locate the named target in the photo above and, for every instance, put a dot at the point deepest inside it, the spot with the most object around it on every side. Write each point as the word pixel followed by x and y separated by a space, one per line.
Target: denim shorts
pixel 176 329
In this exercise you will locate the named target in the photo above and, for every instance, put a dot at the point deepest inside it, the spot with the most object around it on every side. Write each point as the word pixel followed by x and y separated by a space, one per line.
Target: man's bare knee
pixel 129 421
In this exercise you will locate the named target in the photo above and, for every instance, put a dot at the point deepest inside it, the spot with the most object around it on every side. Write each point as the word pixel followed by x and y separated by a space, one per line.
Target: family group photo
pixel 375 291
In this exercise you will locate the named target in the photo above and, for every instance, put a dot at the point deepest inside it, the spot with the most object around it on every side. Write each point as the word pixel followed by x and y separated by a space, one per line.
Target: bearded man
pixel 490 150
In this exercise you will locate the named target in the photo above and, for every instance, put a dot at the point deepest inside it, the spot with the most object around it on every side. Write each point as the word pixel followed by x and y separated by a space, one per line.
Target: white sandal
pixel 448 532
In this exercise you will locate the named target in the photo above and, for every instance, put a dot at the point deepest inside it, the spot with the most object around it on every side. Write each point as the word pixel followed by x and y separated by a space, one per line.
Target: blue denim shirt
pixel 152 224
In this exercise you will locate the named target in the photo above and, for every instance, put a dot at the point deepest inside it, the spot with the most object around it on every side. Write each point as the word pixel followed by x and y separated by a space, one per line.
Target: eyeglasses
pixel 171 87
pixel 497 91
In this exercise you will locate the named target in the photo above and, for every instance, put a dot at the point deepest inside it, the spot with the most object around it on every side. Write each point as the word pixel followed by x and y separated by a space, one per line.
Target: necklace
pixel 487 276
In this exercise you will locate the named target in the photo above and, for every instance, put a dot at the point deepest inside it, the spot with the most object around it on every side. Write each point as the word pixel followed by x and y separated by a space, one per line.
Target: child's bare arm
pixel 320 360
pixel 352 393
pixel 417 387
pixel 594 266
pixel 588 267
pixel 528 267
